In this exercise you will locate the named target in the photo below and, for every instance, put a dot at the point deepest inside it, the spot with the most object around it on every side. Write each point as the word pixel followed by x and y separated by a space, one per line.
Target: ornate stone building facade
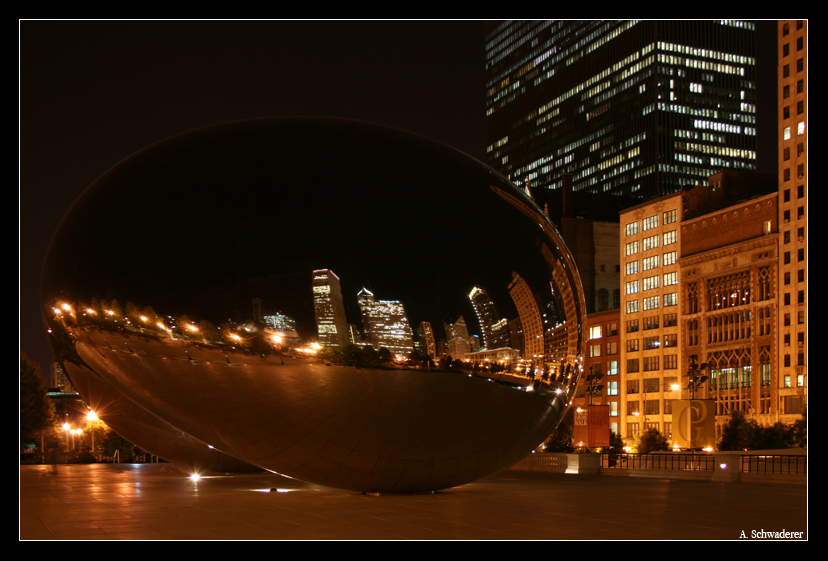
pixel 728 271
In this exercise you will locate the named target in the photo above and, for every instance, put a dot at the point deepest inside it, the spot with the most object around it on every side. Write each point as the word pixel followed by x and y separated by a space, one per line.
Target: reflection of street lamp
pixel 92 417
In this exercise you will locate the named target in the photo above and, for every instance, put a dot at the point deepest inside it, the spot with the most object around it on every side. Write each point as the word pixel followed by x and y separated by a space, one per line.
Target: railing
pixel 686 462
pixel 793 465
pixel 55 457
pixel 543 462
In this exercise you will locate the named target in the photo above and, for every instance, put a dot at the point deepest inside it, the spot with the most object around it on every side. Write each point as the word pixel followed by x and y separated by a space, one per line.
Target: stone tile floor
pixel 159 502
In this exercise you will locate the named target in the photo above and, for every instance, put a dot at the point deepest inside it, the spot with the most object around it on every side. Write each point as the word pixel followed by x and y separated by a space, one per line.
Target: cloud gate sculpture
pixel 339 302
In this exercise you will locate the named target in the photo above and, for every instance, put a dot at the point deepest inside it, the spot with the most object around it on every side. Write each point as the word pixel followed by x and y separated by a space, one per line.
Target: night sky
pixel 94 92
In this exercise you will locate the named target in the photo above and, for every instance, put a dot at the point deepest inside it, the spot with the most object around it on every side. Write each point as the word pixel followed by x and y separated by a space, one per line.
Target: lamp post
pixel 66 427
pixel 694 373
pixel 91 417
pixel 592 386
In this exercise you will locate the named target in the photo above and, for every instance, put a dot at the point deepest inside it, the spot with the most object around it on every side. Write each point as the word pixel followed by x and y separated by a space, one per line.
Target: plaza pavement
pixel 159 502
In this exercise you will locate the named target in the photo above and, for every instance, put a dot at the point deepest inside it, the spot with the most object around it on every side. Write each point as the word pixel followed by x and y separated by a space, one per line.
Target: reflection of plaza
pixel 295 408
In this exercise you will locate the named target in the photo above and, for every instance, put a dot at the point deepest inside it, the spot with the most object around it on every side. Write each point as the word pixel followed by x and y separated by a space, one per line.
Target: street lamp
pixel 91 417
pixel 694 373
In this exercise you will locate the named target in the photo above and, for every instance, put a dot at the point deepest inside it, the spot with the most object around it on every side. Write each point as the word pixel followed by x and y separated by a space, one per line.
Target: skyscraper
pixel 426 335
pixel 530 317
pixel 386 323
pixel 486 315
pixel 329 308
pixel 457 336
pixel 628 107
pixel 793 215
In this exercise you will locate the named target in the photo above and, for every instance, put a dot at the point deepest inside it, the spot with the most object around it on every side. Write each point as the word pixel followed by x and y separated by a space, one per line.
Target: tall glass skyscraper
pixel 329 308
pixel 628 107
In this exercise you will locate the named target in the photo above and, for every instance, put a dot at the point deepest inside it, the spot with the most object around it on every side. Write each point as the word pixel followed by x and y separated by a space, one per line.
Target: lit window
pixel 650 243
pixel 800 128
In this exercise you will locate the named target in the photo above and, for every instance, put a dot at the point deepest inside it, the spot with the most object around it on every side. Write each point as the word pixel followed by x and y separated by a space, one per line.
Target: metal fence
pixel 793 465
pixel 686 462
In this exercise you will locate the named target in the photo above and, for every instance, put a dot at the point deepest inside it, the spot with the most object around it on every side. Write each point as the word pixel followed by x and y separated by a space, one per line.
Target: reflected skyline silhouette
pixel 182 233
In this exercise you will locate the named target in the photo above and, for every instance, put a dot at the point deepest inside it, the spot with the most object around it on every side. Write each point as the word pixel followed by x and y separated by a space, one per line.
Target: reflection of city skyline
pixel 538 332
pixel 535 332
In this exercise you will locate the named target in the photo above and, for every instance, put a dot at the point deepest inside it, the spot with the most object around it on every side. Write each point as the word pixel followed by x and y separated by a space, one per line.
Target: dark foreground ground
pixel 158 501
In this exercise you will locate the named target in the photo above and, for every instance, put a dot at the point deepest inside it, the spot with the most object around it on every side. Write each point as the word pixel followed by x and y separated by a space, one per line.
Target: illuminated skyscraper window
pixel 628 107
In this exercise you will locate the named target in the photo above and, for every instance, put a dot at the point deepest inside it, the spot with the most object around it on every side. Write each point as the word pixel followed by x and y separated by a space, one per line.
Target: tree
pixel 112 442
pixel 369 358
pixel 384 355
pixel 651 441
pixel 561 438
pixel 800 429
pixel 731 432
pixel 208 331
pixel 351 355
pixel 616 444
pixel 741 433
pixel 259 345
pixel 37 413
pixel 331 354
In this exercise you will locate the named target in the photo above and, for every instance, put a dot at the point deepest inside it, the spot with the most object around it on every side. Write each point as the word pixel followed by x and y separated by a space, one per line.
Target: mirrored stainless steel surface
pixel 339 302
